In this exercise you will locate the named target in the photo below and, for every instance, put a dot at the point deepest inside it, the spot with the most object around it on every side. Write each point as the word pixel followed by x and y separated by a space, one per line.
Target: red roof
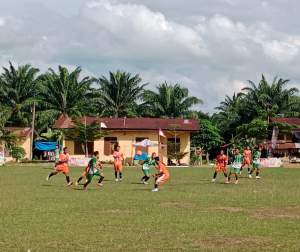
pixel 285 146
pixel 133 123
pixel 291 120
pixel 18 131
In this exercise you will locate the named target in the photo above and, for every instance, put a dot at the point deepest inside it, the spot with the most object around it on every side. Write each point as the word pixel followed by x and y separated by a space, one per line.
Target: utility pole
pixel 32 131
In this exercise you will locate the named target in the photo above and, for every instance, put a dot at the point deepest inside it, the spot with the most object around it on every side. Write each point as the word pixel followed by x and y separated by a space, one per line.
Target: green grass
pixel 188 214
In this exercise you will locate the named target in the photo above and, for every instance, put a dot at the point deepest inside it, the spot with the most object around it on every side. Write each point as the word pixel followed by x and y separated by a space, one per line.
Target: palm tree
pixel 120 93
pixel 270 100
pixel 65 93
pixel 169 101
pixel 18 90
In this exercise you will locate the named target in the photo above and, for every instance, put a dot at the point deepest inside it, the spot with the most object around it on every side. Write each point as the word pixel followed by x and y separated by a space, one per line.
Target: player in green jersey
pixel 94 169
pixel 150 161
pixel 256 163
pixel 236 166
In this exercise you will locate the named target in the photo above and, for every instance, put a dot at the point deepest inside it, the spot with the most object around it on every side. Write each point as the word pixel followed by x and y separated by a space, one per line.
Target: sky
pixel 211 47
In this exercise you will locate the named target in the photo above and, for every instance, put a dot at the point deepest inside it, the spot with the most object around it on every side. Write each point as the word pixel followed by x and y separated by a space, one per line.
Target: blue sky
pixel 212 47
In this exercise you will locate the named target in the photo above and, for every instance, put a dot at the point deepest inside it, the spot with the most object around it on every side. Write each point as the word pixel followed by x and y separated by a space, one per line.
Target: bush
pixel 17 152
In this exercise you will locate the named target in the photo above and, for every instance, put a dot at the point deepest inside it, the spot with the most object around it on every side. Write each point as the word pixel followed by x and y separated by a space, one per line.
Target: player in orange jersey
pixel 221 166
pixel 118 163
pixel 247 159
pixel 162 176
pixel 62 166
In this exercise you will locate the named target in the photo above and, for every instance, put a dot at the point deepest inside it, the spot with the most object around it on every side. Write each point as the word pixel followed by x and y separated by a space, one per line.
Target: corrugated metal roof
pixel 291 120
pixel 133 123
pixel 19 131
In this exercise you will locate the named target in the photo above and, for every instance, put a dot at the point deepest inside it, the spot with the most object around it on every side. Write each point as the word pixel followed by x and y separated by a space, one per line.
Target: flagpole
pixel 159 154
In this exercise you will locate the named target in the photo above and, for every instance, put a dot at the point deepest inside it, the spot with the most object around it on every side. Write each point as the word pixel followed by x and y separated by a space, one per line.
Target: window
pixel 140 148
pixel 79 148
pixel 109 143
pixel 173 145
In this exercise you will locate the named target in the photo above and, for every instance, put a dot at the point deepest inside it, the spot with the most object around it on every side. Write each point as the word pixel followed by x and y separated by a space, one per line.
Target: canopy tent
pixel 45 146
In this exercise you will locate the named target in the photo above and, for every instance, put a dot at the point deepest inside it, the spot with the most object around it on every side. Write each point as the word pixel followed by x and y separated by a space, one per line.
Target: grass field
pixel 188 214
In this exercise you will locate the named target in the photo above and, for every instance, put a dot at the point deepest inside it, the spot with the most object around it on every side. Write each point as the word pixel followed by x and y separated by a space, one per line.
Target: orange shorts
pixel 118 166
pixel 162 179
pixel 220 168
pixel 62 168
pixel 247 161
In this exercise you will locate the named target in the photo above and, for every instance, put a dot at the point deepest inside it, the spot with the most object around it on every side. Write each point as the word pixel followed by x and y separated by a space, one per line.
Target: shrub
pixel 17 152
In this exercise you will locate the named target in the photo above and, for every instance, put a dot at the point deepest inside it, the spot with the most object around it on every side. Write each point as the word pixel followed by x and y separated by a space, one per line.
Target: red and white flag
pixel 161 133
pixel 103 125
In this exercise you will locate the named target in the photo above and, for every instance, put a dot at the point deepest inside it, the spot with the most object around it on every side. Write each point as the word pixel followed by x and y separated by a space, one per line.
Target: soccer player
pixel 221 165
pixel 256 163
pixel 247 159
pixel 236 166
pixel 162 176
pixel 118 163
pixel 62 166
pixel 150 161
pixel 94 169
pixel 83 175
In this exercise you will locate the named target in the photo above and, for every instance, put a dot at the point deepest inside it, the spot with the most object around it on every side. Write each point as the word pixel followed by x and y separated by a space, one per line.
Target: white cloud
pixel 140 28
pixel 2 21
pixel 283 50
pixel 208 46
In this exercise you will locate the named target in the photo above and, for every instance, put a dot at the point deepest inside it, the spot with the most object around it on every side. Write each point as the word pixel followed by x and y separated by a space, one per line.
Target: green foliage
pixel 270 99
pixel 247 115
pixel 209 136
pixel 120 93
pixel 5 114
pixel 169 101
pixel 65 93
pixel 257 129
pixel 17 152
pixel 52 135
pixel 18 90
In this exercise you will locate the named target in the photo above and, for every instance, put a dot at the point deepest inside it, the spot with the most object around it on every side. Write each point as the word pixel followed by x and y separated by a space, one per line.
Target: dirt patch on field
pixel 228 209
pixel 184 205
pixel 230 243
pixel 277 213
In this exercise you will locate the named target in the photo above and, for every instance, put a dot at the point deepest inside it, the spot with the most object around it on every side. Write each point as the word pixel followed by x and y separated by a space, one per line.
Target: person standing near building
pixel 118 163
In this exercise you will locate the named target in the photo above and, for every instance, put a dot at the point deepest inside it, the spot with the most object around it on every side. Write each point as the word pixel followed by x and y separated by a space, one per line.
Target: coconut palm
pixel 18 90
pixel 169 101
pixel 270 100
pixel 120 93
pixel 63 92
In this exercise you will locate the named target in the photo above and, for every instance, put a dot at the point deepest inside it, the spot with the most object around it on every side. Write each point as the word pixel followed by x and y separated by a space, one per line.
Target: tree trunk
pixel 86 150
pixel 207 158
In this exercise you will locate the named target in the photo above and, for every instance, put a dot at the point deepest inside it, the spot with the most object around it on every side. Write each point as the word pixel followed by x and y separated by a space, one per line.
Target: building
pixel 128 131
pixel 287 145
pixel 23 140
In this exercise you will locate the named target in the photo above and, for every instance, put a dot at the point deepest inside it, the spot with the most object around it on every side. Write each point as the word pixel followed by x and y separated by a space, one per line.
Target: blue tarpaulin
pixel 142 157
pixel 45 146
